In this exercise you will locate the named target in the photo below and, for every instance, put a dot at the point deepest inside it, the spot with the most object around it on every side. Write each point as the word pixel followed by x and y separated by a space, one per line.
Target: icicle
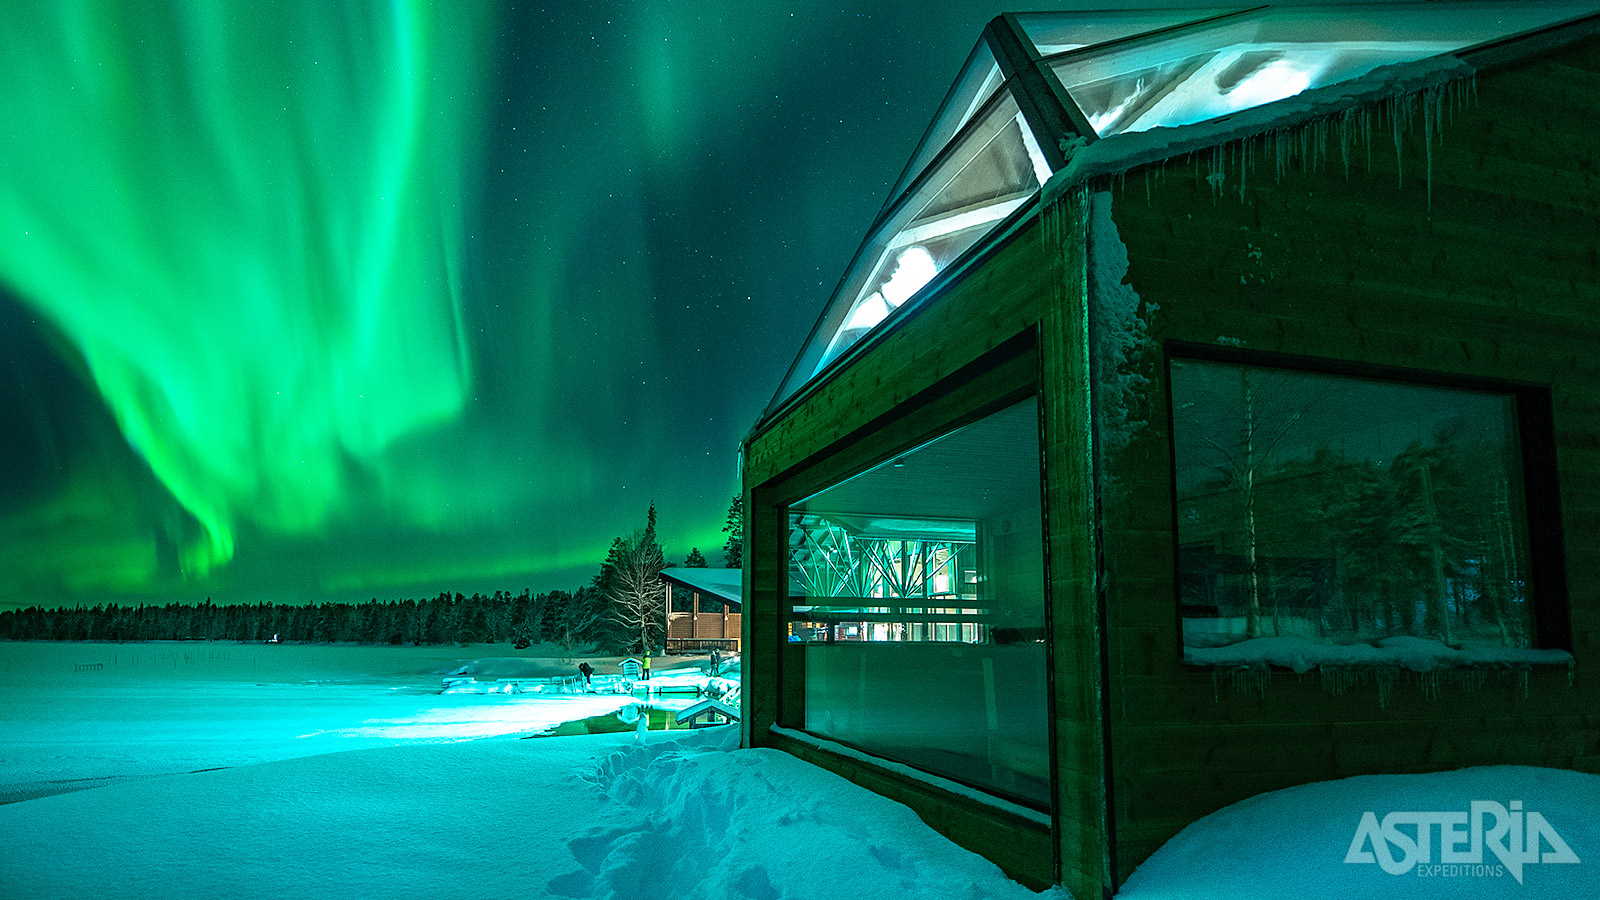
pixel 1252 679
pixel 1218 166
pixel 1429 124
pixel 1366 129
pixel 1430 685
pixel 1335 680
pixel 1344 141
pixel 1244 167
pixel 1397 132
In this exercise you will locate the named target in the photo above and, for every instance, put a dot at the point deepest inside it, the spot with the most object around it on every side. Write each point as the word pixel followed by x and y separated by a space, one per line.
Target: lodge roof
pixel 1039 88
pixel 727 584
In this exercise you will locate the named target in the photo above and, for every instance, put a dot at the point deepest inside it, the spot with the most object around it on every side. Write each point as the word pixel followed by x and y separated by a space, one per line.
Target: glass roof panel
pixel 1127 71
pixel 1200 73
pixel 979 80
pixel 990 169
pixel 1059 32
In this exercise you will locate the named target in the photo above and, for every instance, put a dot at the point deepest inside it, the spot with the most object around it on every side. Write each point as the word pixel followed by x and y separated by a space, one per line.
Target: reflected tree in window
pixel 1348 509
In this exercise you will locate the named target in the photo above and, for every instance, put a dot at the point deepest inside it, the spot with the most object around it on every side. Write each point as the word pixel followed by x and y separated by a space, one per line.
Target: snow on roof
pixel 710 704
pixel 725 583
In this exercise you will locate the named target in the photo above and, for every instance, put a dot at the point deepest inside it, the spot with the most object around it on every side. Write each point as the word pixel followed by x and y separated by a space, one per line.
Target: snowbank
pixel 679 814
pixel 1307 841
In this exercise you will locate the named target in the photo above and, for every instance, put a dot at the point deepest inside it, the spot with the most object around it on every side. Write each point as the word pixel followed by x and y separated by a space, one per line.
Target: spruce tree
pixel 733 550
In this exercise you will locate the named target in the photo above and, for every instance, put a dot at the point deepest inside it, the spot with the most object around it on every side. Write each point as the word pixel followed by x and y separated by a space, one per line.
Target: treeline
pixel 559 617
pixel 620 609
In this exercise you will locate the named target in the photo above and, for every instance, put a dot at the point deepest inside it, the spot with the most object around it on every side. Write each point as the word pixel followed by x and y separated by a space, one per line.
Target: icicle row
pixel 1306 146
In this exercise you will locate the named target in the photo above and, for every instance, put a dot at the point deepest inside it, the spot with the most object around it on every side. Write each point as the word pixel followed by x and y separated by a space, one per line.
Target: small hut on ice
pixel 1210 409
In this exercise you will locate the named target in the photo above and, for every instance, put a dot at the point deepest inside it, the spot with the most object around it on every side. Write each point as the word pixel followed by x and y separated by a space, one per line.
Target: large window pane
pixel 918 591
pixel 1346 510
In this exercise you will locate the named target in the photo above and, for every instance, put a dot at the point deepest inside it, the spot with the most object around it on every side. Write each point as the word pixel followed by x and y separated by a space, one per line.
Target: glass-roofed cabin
pixel 1210 409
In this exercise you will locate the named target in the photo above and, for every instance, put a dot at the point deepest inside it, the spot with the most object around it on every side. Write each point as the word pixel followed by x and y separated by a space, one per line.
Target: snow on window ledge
pixel 943 784
pixel 1301 655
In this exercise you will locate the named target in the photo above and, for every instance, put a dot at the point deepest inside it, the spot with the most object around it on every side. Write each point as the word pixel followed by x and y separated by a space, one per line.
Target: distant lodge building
pixel 703 609
pixel 1212 408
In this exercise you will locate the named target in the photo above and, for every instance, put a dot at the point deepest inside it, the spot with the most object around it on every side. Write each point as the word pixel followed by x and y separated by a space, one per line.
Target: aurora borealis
pixel 303 300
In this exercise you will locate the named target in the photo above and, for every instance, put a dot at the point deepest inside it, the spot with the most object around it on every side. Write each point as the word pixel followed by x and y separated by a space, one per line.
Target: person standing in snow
pixel 647 666
pixel 588 672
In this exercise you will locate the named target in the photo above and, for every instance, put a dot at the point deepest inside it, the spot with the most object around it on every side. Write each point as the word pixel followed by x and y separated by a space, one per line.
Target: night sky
pixel 302 302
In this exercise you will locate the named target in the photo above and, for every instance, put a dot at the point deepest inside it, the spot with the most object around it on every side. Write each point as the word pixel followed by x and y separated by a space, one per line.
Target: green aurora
pixel 303 300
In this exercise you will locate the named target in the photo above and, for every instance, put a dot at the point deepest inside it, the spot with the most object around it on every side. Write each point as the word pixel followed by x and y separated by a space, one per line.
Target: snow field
pixel 676 814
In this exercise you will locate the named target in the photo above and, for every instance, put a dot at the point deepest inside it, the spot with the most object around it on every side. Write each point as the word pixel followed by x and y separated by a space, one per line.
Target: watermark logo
pixel 1404 841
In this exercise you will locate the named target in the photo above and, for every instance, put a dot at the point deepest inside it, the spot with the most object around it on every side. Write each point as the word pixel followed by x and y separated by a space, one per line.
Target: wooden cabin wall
pixel 1000 328
pixel 1499 279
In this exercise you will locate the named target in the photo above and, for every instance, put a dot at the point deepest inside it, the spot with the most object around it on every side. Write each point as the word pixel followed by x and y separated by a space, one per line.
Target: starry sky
pixel 303 301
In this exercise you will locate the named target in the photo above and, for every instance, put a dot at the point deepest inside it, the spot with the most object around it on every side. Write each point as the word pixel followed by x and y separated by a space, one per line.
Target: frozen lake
pixel 74 716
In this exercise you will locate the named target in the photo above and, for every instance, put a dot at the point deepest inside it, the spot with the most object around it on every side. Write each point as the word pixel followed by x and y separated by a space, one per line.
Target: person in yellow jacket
pixel 647 666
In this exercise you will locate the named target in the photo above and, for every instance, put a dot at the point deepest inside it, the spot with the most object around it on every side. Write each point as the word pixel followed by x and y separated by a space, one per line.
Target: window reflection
pixel 1346 509
pixel 917 590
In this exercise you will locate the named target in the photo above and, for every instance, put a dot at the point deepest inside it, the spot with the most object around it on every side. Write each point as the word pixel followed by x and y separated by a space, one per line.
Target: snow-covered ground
pixel 82 715
pixel 401 804
pixel 677 814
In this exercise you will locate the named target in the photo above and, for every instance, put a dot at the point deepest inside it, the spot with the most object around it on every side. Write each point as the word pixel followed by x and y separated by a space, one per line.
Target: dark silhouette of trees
pixel 560 617
pixel 733 550
pixel 620 609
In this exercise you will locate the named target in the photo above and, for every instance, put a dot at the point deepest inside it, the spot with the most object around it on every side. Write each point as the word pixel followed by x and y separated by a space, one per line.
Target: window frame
pixel 1005 376
pixel 1535 429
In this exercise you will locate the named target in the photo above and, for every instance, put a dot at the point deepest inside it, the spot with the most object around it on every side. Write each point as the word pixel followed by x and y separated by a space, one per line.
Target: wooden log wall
pixel 1496 276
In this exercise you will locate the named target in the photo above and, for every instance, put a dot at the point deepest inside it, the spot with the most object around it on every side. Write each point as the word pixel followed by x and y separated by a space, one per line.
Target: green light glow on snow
pixel 246 218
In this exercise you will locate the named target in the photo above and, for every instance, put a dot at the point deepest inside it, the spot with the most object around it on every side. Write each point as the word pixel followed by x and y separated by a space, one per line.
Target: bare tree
pixel 1241 458
pixel 635 592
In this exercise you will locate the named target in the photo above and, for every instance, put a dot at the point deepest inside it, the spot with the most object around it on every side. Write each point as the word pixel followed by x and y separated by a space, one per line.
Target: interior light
pixel 1274 81
pixel 914 269
pixel 868 313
